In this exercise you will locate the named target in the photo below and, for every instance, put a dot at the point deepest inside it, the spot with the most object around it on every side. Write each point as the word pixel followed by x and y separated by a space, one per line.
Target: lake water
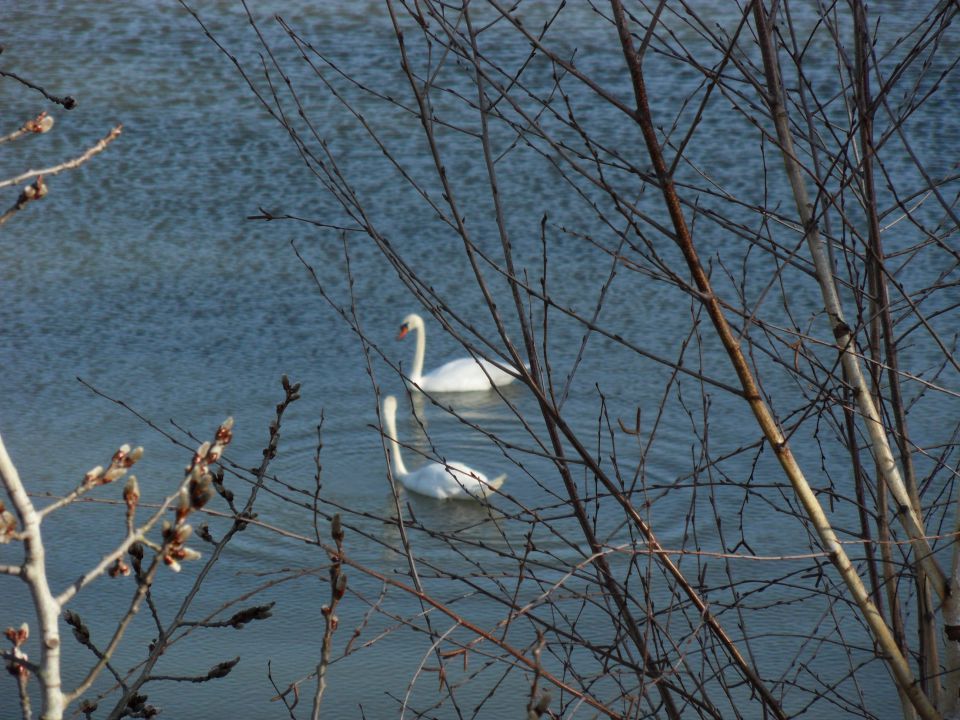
pixel 141 274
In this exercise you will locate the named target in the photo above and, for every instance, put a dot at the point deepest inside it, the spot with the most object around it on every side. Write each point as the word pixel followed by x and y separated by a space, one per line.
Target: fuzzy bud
pixel 189 554
pixel 8 526
pixel 80 631
pixel 121 453
pixel 36 191
pixel 181 534
pixel 133 456
pixel 225 492
pixel 88 707
pixel 543 704
pixel 40 124
pixel 200 491
pixel 183 505
pixel 258 612
pixel 340 586
pixel 113 472
pixel 222 669
pixel 93 475
pixel 131 493
pixel 200 454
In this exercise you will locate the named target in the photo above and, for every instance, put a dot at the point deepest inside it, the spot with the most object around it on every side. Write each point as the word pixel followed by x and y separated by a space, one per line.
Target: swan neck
pixel 389 420
pixel 420 346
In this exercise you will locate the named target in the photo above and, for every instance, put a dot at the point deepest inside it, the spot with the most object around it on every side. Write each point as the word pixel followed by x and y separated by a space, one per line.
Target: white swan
pixel 450 481
pixel 460 375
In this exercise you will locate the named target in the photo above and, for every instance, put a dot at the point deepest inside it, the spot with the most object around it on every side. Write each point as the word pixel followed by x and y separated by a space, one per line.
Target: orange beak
pixel 404 329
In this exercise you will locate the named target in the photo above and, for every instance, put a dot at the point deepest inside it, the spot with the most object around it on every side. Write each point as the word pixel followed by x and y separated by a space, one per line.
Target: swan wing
pixel 464 375
pixel 454 481
pixel 496 483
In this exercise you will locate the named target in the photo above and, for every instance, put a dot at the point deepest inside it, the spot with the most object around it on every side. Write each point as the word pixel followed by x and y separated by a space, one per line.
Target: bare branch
pixel 95 149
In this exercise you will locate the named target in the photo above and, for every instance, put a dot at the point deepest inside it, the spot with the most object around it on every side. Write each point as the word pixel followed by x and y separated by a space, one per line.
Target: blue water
pixel 141 274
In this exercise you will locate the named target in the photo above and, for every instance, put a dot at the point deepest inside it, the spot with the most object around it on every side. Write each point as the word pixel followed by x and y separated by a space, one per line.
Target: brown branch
pixel 68 102
pixel 338 586
pixel 489 637
pixel 37 190
pixel 899 665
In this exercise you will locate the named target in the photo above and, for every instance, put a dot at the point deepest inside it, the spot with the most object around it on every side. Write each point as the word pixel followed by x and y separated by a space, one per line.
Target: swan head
pixel 390 406
pixel 410 322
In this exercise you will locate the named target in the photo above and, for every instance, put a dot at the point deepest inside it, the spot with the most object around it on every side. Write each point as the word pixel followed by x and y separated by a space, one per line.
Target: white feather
pixel 450 481
pixel 460 375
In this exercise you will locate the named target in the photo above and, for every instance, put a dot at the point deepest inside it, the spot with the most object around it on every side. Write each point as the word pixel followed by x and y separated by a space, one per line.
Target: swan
pixel 460 375
pixel 444 481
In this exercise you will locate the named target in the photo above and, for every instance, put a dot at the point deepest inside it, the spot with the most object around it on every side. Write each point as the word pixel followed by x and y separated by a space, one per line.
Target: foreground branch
pixel 898 663
pixel 97 148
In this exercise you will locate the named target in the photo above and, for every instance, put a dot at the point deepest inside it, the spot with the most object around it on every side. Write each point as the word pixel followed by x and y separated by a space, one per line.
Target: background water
pixel 140 274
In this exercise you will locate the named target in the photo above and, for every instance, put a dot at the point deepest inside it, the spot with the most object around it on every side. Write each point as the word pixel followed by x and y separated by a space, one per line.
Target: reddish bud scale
pixel 183 532
pixel 8 525
pixel 200 495
pixel 40 124
pixel 18 636
pixel 15 665
pixel 131 498
pixel 119 568
pixel 340 587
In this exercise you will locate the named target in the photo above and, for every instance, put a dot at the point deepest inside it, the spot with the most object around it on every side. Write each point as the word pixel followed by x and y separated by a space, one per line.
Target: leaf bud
pixel 92 475
pixel 131 493
pixel 340 587
pixel 182 533
pixel 543 703
pixel 119 568
pixel 133 456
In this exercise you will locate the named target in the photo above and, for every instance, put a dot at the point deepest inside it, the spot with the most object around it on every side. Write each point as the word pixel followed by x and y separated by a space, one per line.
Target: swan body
pixel 450 481
pixel 460 375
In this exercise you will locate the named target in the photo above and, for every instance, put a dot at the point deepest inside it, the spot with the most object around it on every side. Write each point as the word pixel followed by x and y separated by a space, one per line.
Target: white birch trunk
pixel 34 573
